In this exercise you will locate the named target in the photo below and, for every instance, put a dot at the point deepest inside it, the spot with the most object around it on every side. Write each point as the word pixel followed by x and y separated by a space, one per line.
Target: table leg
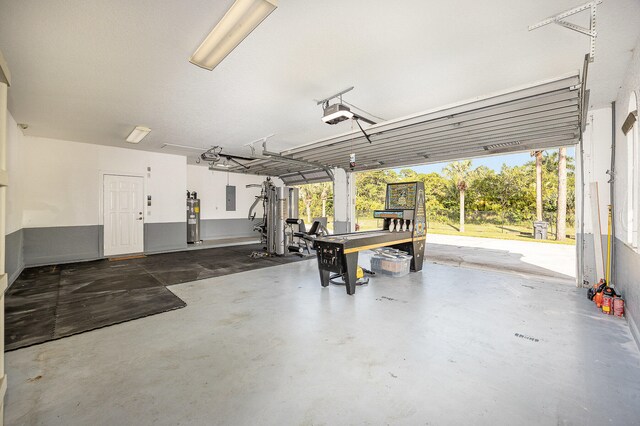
pixel 350 269
pixel 324 274
pixel 418 255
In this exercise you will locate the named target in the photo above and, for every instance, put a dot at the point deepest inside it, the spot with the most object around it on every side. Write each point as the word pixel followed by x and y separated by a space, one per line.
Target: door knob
pixel 139 218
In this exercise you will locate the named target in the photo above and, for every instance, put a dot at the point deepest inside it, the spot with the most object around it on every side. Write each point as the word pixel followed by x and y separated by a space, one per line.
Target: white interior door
pixel 123 215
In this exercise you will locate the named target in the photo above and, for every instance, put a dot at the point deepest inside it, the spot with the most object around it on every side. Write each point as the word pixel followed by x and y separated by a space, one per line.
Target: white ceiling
pixel 91 70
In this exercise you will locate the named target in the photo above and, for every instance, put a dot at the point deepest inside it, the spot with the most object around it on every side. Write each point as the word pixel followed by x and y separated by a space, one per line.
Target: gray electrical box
pixel 231 198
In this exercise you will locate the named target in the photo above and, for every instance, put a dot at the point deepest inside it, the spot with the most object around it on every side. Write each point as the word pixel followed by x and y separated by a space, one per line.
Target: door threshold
pixel 127 257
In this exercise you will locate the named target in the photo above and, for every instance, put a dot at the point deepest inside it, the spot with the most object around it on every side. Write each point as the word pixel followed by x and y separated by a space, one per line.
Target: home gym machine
pixel 280 203
pixel 404 228
pixel 281 231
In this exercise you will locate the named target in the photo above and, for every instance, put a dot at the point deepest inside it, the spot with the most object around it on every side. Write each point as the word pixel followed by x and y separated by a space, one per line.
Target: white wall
pixel 63 182
pixel 211 189
pixel 630 85
pixel 597 153
pixel 59 183
pixel 597 158
pixel 15 168
pixel 344 196
pixel 627 257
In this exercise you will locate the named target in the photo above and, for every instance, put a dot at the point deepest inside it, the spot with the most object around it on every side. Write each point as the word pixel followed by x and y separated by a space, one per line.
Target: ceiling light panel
pixel 137 134
pixel 239 21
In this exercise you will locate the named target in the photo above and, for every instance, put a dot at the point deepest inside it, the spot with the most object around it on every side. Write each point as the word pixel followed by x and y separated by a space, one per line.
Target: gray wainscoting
pixel 211 229
pixel 14 254
pixel 164 237
pixel 627 282
pixel 62 244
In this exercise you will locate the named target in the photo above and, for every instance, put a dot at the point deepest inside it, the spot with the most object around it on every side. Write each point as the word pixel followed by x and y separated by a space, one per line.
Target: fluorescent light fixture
pixel 175 145
pixel 242 18
pixel 138 134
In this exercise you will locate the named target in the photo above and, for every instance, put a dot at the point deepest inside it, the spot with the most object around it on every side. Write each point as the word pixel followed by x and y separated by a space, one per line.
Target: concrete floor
pixel 449 345
pixel 555 262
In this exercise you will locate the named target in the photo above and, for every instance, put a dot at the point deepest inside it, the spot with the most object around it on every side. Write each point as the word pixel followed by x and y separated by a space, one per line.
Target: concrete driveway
pixel 551 261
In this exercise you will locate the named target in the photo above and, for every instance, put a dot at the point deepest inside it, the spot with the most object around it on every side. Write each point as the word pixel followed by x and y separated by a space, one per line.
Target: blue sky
pixel 494 162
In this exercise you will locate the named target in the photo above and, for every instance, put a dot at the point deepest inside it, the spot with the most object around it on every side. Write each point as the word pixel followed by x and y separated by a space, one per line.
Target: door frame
pixel 102 174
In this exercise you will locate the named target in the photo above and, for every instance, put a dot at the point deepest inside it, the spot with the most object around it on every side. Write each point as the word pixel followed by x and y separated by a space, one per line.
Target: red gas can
pixel 607 304
pixel 598 300
pixel 618 307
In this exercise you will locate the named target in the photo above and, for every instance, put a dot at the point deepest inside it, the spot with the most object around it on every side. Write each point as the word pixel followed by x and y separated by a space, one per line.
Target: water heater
pixel 193 218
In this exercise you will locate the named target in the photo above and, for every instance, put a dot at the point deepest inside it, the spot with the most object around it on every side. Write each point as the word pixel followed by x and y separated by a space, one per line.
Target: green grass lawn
pixel 507 232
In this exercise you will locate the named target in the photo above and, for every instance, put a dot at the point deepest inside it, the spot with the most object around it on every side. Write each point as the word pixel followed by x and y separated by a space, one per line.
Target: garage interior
pixel 126 301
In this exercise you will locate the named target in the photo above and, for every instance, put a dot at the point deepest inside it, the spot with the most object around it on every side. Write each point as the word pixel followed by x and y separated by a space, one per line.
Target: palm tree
pixel 538 155
pixel 306 195
pixel 561 218
pixel 459 172
pixel 323 196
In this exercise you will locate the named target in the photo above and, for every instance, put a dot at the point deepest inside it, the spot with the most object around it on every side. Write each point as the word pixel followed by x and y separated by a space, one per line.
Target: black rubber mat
pixel 50 302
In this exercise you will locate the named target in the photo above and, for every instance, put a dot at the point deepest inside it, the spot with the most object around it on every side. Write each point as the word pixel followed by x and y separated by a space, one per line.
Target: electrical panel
pixel 231 198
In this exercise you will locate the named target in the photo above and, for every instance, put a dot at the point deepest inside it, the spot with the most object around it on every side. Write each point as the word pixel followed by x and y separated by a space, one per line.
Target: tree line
pixel 464 193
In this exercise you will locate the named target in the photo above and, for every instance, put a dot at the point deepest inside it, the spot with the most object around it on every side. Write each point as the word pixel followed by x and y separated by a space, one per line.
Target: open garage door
pixel 534 117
